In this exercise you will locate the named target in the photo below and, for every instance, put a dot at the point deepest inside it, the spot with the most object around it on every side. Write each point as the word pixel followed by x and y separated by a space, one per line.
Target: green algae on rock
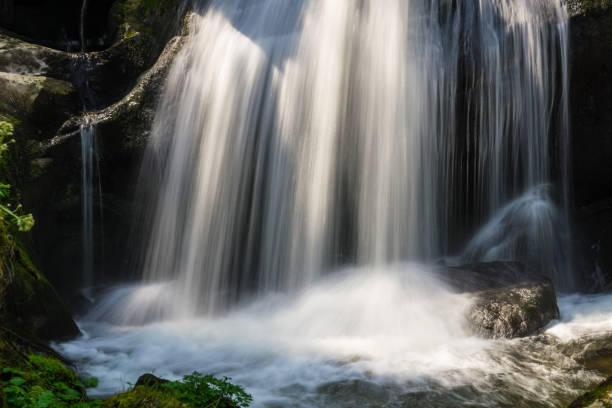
pixel 601 397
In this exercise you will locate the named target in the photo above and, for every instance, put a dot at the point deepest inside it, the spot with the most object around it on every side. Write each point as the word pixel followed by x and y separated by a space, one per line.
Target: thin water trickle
pixel 87 205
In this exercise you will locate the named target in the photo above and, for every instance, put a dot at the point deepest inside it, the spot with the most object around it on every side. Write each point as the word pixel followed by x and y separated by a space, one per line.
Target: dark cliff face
pixel 591 124
pixel 591 104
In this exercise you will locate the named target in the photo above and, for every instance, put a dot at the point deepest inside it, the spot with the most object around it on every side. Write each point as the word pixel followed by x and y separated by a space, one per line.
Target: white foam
pixel 396 328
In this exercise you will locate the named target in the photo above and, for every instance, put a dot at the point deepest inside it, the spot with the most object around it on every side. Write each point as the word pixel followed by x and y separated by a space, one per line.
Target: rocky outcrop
pixel 510 300
pixel 516 311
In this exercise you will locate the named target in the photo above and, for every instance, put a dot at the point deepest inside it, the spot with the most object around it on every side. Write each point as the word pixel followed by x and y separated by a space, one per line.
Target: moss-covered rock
pixel 28 302
pixel 151 17
pixel 41 101
pixel 143 397
pixel 601 397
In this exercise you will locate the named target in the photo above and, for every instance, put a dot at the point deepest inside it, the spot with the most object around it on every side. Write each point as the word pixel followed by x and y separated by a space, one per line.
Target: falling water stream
pixel 87 195
pixel 82 66
pixel 308 159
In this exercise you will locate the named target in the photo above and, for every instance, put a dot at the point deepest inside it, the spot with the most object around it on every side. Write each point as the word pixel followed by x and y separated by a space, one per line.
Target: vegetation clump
pixel 44 382
pixel 9 212
pixel 193 391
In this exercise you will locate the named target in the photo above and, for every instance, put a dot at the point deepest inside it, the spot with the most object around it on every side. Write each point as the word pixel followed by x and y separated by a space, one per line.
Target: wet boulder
pixel 510 300
pixel 516 311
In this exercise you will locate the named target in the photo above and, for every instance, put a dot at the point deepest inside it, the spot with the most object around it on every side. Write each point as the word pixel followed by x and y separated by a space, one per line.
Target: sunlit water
pixel 389 337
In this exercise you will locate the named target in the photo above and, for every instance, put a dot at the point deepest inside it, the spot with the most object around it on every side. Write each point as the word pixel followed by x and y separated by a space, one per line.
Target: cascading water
pixel 300 137
pixel 82 66
pixel 296 136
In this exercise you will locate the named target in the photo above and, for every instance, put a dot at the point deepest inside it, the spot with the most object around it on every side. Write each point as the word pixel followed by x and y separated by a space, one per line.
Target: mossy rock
pixel 601 397
pixel 27 300
pixel 157 18
pixel 143 397
pixel 43 102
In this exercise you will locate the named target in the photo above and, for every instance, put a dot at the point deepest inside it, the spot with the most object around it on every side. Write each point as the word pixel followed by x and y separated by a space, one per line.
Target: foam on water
pixel 362 337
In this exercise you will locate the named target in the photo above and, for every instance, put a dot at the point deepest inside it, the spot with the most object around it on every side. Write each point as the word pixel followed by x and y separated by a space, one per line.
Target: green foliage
pixel 44 382
pixel 196 390
pixel 12 215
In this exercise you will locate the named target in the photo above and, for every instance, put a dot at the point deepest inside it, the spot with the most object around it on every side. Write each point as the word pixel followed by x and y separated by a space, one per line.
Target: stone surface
pixel 510 300
pixel 150 380
pixel 41 101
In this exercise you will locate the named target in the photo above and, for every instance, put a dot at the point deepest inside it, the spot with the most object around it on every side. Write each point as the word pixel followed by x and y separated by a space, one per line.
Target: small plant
pixel 197 390
pixel 11 214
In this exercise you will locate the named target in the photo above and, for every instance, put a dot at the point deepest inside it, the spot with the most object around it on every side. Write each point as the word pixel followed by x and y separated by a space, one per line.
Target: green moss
pixel 141 16
pixel 143 397
pixel 193 391
pixel 602 396
pixel 10 119
pixel 39 381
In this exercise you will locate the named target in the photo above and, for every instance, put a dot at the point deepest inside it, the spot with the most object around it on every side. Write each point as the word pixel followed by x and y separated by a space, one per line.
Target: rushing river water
pixel 380 338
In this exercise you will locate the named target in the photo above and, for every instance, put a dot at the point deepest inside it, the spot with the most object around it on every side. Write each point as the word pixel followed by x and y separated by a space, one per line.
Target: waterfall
pixel 295 136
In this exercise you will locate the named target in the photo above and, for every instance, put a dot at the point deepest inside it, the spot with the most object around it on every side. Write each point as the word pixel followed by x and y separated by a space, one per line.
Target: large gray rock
pixel 510 300
pixel 515 311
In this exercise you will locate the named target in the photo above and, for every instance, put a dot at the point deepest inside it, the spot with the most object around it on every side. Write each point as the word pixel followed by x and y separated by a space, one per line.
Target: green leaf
pixel 17 381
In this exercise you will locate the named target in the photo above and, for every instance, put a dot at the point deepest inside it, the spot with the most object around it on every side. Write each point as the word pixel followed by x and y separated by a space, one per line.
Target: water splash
pixel 531 229
pixel 365 337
